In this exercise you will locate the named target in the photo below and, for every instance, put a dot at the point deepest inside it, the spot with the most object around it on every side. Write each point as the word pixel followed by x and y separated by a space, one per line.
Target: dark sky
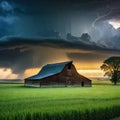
pixel 43 17
pixel 34 32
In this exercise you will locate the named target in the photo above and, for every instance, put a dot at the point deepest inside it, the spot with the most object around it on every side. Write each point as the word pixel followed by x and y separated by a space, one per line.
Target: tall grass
pixel 76 103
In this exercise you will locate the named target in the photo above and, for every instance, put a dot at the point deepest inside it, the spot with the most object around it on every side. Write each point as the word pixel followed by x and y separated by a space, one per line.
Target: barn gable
pixel 49 70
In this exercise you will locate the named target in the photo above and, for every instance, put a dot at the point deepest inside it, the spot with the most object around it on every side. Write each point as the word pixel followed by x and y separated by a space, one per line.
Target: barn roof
pixel 49 70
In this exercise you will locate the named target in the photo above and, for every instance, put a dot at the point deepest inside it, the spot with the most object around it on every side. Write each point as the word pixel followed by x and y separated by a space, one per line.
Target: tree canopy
pixel 111 66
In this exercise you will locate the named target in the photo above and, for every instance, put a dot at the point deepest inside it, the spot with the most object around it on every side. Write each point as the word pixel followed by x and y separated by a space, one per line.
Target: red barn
pixel 58 74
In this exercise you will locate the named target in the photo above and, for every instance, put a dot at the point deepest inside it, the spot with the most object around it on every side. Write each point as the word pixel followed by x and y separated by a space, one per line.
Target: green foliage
pixel 111 66
pixel 71 103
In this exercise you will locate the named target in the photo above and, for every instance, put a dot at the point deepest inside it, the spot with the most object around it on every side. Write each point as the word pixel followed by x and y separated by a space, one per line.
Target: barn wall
pixel 72 77
pixel 53 80
pixel 68 77
pixel 32 83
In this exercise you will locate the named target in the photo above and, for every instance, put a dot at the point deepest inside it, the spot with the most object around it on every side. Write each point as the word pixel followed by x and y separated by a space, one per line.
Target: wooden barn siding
pixel 67 77
pixel 71 77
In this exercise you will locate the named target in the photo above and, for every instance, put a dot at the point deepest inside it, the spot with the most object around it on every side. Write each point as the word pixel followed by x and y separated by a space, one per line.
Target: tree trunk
pixel 115 77
pixel 115 83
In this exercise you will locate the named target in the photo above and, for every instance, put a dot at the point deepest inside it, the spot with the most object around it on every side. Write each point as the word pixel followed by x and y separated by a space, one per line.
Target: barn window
pixel 69 66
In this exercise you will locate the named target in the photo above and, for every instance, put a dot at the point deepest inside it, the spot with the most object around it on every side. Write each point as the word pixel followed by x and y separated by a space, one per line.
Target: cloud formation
pixel 77 43
pixel 20 54
pixel 34 33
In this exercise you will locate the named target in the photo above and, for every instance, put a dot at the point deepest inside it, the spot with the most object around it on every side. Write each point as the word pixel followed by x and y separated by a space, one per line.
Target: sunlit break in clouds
pixel 115 24
pixel 35 33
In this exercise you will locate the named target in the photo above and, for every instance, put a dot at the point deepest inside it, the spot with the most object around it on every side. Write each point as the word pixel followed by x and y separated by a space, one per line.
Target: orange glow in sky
pixel 91 73
pixel 31 71
pixel 88 69
pixel 7 74
pixel 87 65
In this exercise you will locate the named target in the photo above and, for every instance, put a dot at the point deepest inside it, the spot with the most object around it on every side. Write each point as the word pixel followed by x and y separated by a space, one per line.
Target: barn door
pixel 82 83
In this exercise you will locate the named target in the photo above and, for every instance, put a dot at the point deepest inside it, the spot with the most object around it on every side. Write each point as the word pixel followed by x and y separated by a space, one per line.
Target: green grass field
pixel 70 103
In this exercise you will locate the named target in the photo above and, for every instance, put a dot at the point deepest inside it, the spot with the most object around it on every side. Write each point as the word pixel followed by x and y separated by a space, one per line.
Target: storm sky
pixel 37 32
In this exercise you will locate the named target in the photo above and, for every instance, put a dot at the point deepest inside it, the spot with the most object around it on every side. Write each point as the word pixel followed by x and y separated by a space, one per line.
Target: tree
pixel 111 66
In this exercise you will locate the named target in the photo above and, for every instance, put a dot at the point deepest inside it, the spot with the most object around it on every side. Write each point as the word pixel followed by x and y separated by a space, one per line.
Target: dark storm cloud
pixel 77 43
pixel 34 6
pixel 86 57
pixel 43 7
pixel 20 54
pixel 90 57
pixel 7 18
pixel 15 59
pixel 19 58
pixel 44 18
